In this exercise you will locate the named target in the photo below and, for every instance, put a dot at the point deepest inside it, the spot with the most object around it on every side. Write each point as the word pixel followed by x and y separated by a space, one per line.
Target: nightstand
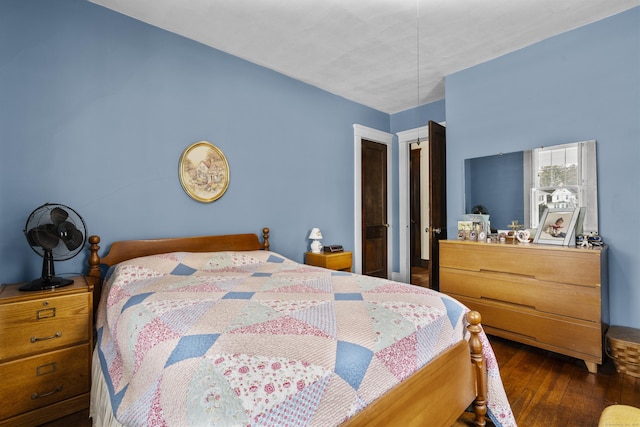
pixel 332 260
pixel 46 340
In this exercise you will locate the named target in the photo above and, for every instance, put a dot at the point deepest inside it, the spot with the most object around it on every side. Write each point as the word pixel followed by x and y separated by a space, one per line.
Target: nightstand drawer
pixel 43 324
pixel 332 261
pixel 40 380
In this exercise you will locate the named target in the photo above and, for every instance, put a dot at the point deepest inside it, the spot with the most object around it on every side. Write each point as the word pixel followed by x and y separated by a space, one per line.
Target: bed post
pixel 93 273
pixel 94 258
pixel 477 359
pixel 265 238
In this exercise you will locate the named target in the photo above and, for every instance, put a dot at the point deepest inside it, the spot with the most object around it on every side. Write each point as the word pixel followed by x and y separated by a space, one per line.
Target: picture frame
pixel 204 172
pixel 478 219
pixel 558 226
pixel 464 228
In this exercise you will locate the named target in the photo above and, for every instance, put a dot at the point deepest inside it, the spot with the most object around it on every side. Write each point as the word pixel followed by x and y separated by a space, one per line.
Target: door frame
pixel 405 139
pixel 359 133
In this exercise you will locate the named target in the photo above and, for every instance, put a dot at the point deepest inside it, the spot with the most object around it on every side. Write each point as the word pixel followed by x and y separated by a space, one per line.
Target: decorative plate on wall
pixel 204 172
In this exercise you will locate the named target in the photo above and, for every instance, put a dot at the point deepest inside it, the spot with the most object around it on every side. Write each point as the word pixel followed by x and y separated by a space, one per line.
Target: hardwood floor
pixel 547 389
pixel 420 276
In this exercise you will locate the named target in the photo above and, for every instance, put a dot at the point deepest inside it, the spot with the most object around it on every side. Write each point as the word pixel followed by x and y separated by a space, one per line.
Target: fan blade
pixel 70 235
pixel 58 215
pixel 44 235
pixel 31 237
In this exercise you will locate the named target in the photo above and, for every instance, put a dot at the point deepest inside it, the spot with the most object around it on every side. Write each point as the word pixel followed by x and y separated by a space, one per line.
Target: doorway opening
pixel 419 214
pixel 405 139
pixel 431 231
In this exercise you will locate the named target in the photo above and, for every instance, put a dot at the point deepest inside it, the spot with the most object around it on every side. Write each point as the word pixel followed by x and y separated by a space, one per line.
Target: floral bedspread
pixel 255 339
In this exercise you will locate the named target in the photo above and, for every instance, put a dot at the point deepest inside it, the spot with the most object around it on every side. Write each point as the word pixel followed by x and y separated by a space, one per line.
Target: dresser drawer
pixel 549 263
pixel 549 297
pixel 572 337
pixel 47 378
pixel 43 324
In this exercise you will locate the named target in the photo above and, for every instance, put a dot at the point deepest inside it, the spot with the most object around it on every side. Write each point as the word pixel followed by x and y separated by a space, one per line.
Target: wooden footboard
pixel 438 393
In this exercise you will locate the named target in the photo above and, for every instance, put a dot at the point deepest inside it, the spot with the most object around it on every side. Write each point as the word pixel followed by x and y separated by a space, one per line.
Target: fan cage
pixel 41 215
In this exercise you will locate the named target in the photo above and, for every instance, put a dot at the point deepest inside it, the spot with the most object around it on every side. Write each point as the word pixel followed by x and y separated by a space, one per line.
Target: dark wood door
pixel 374 209
pixel 437 199
pixel 415 211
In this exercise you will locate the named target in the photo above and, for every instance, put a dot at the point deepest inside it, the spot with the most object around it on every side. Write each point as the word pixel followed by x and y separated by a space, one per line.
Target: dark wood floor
pixel 420 276
pixel 545 389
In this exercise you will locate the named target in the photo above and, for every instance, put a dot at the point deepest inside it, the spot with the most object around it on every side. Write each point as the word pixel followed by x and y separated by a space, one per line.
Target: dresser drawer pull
pixel 46 313
pixel 507 302
pixel 36 339
pixel 48 368
pixel 35 396
pixel 506 273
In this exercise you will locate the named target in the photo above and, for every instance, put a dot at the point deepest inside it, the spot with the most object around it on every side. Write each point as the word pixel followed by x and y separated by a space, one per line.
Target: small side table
pixel 340 261
pixel 45 353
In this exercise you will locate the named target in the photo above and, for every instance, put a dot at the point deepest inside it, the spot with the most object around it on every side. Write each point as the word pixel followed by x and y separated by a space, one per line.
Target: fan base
pixel 42 284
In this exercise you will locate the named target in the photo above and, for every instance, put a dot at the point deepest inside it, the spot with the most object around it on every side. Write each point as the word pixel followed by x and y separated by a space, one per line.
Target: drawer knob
pixel 35 396
pixel 56 335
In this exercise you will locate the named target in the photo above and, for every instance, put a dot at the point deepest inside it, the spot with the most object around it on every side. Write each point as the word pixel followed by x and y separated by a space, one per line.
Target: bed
pixel 220 330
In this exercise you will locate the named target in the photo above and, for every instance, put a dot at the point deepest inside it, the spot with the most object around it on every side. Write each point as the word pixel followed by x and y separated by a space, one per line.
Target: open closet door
pixel 437 199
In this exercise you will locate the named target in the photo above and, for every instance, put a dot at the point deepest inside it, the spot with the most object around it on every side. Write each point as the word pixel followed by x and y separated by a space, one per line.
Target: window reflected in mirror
pixel 562 179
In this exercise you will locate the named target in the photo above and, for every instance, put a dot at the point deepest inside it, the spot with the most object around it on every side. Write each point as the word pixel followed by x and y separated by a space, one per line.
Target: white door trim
pixel 359 133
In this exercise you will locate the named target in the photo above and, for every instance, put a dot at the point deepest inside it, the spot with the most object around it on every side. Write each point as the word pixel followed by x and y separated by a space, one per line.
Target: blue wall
pixel 580 85
pixel 417 117
pixel 96 109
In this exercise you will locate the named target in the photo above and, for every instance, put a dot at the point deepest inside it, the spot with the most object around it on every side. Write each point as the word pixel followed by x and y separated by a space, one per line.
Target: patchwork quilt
pixel 255 339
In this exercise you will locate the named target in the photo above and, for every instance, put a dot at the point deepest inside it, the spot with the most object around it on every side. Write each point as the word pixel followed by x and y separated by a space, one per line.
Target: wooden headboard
pixel 129 249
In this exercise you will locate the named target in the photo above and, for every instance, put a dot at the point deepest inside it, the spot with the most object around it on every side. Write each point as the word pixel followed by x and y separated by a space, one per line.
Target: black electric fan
pixel 56 233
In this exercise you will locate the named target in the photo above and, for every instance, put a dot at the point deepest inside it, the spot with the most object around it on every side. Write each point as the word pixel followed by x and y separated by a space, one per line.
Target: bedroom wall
pixel 580 85
pixel 96 109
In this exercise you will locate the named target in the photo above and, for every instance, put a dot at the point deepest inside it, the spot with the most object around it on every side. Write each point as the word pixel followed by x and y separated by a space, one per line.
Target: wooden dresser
pixel 45 352
pixel 552 297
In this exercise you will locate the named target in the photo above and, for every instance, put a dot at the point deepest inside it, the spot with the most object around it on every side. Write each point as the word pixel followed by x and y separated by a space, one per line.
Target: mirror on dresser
pixel 520 185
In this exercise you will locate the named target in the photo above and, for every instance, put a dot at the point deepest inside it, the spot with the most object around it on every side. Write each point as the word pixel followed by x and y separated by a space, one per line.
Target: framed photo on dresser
pixel 558 226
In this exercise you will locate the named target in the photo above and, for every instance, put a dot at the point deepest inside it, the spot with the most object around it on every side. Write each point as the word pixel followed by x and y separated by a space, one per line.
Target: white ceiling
pixel 367 50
